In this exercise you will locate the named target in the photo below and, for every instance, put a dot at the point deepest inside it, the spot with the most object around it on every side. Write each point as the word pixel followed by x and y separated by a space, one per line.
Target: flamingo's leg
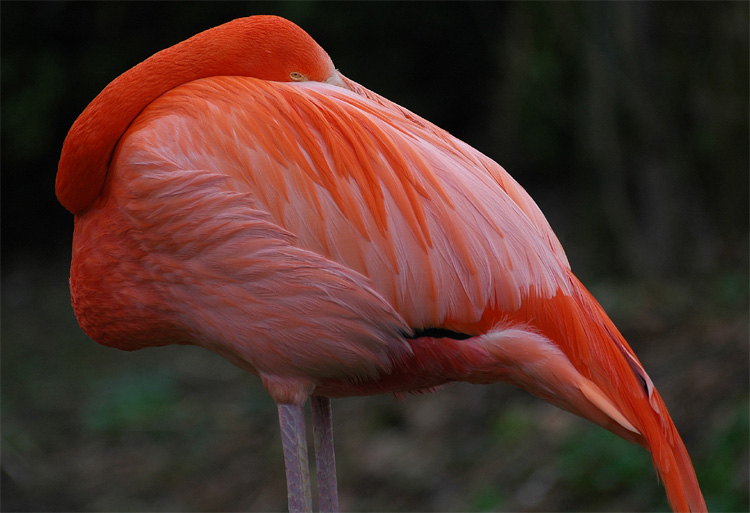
pixel 325 460
pixel 292 421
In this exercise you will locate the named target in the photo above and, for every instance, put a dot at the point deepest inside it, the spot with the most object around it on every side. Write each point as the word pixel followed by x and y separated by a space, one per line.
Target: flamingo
pixel 236 192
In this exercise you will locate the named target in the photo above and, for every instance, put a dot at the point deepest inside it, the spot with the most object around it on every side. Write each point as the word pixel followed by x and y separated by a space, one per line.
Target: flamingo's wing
pixel 441 230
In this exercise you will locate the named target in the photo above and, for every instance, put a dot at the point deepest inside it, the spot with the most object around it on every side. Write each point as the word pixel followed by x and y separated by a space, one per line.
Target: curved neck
pixel 91 140
pixel 229 49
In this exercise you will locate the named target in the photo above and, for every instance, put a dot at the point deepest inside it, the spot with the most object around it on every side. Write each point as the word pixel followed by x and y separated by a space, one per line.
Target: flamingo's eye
pixel 297 76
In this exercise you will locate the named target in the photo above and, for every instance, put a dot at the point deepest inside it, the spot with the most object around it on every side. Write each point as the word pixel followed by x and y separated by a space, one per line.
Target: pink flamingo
pixel 236 192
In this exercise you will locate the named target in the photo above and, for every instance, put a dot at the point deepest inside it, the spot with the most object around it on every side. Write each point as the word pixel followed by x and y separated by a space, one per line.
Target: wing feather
pixel 442 231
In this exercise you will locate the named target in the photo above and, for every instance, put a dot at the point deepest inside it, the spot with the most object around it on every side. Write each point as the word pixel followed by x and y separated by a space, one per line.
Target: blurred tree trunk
pixel 633 107
pixel 648 191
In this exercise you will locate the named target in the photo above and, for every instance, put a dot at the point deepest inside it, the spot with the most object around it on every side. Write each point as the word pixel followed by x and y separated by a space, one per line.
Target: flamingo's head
pixel 276 49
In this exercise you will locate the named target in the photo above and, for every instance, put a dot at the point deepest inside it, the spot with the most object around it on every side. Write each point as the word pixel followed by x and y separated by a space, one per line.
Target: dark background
pixel 627 122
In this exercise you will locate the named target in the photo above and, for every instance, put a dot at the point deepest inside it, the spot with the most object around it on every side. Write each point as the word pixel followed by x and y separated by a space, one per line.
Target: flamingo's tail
pixel 574 357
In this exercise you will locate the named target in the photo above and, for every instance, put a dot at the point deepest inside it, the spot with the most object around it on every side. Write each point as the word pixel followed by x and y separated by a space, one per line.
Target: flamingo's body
pixel 333 243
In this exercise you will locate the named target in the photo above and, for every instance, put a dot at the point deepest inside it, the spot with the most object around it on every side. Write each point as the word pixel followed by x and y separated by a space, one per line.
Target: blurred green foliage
pixel 135 401
pixel 723 477
pixel 596 465
pixel 628 124
pixel 513 425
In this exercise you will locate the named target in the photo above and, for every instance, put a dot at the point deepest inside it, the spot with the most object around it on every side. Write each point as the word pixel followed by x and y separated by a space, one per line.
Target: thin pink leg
pixel 325 460
pixel 294 441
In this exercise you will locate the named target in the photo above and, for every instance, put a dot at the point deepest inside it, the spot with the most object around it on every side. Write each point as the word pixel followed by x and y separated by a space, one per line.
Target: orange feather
pixel 330 241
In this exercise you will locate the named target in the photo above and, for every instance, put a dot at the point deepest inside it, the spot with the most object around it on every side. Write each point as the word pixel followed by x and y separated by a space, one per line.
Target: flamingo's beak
pixel 336 80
